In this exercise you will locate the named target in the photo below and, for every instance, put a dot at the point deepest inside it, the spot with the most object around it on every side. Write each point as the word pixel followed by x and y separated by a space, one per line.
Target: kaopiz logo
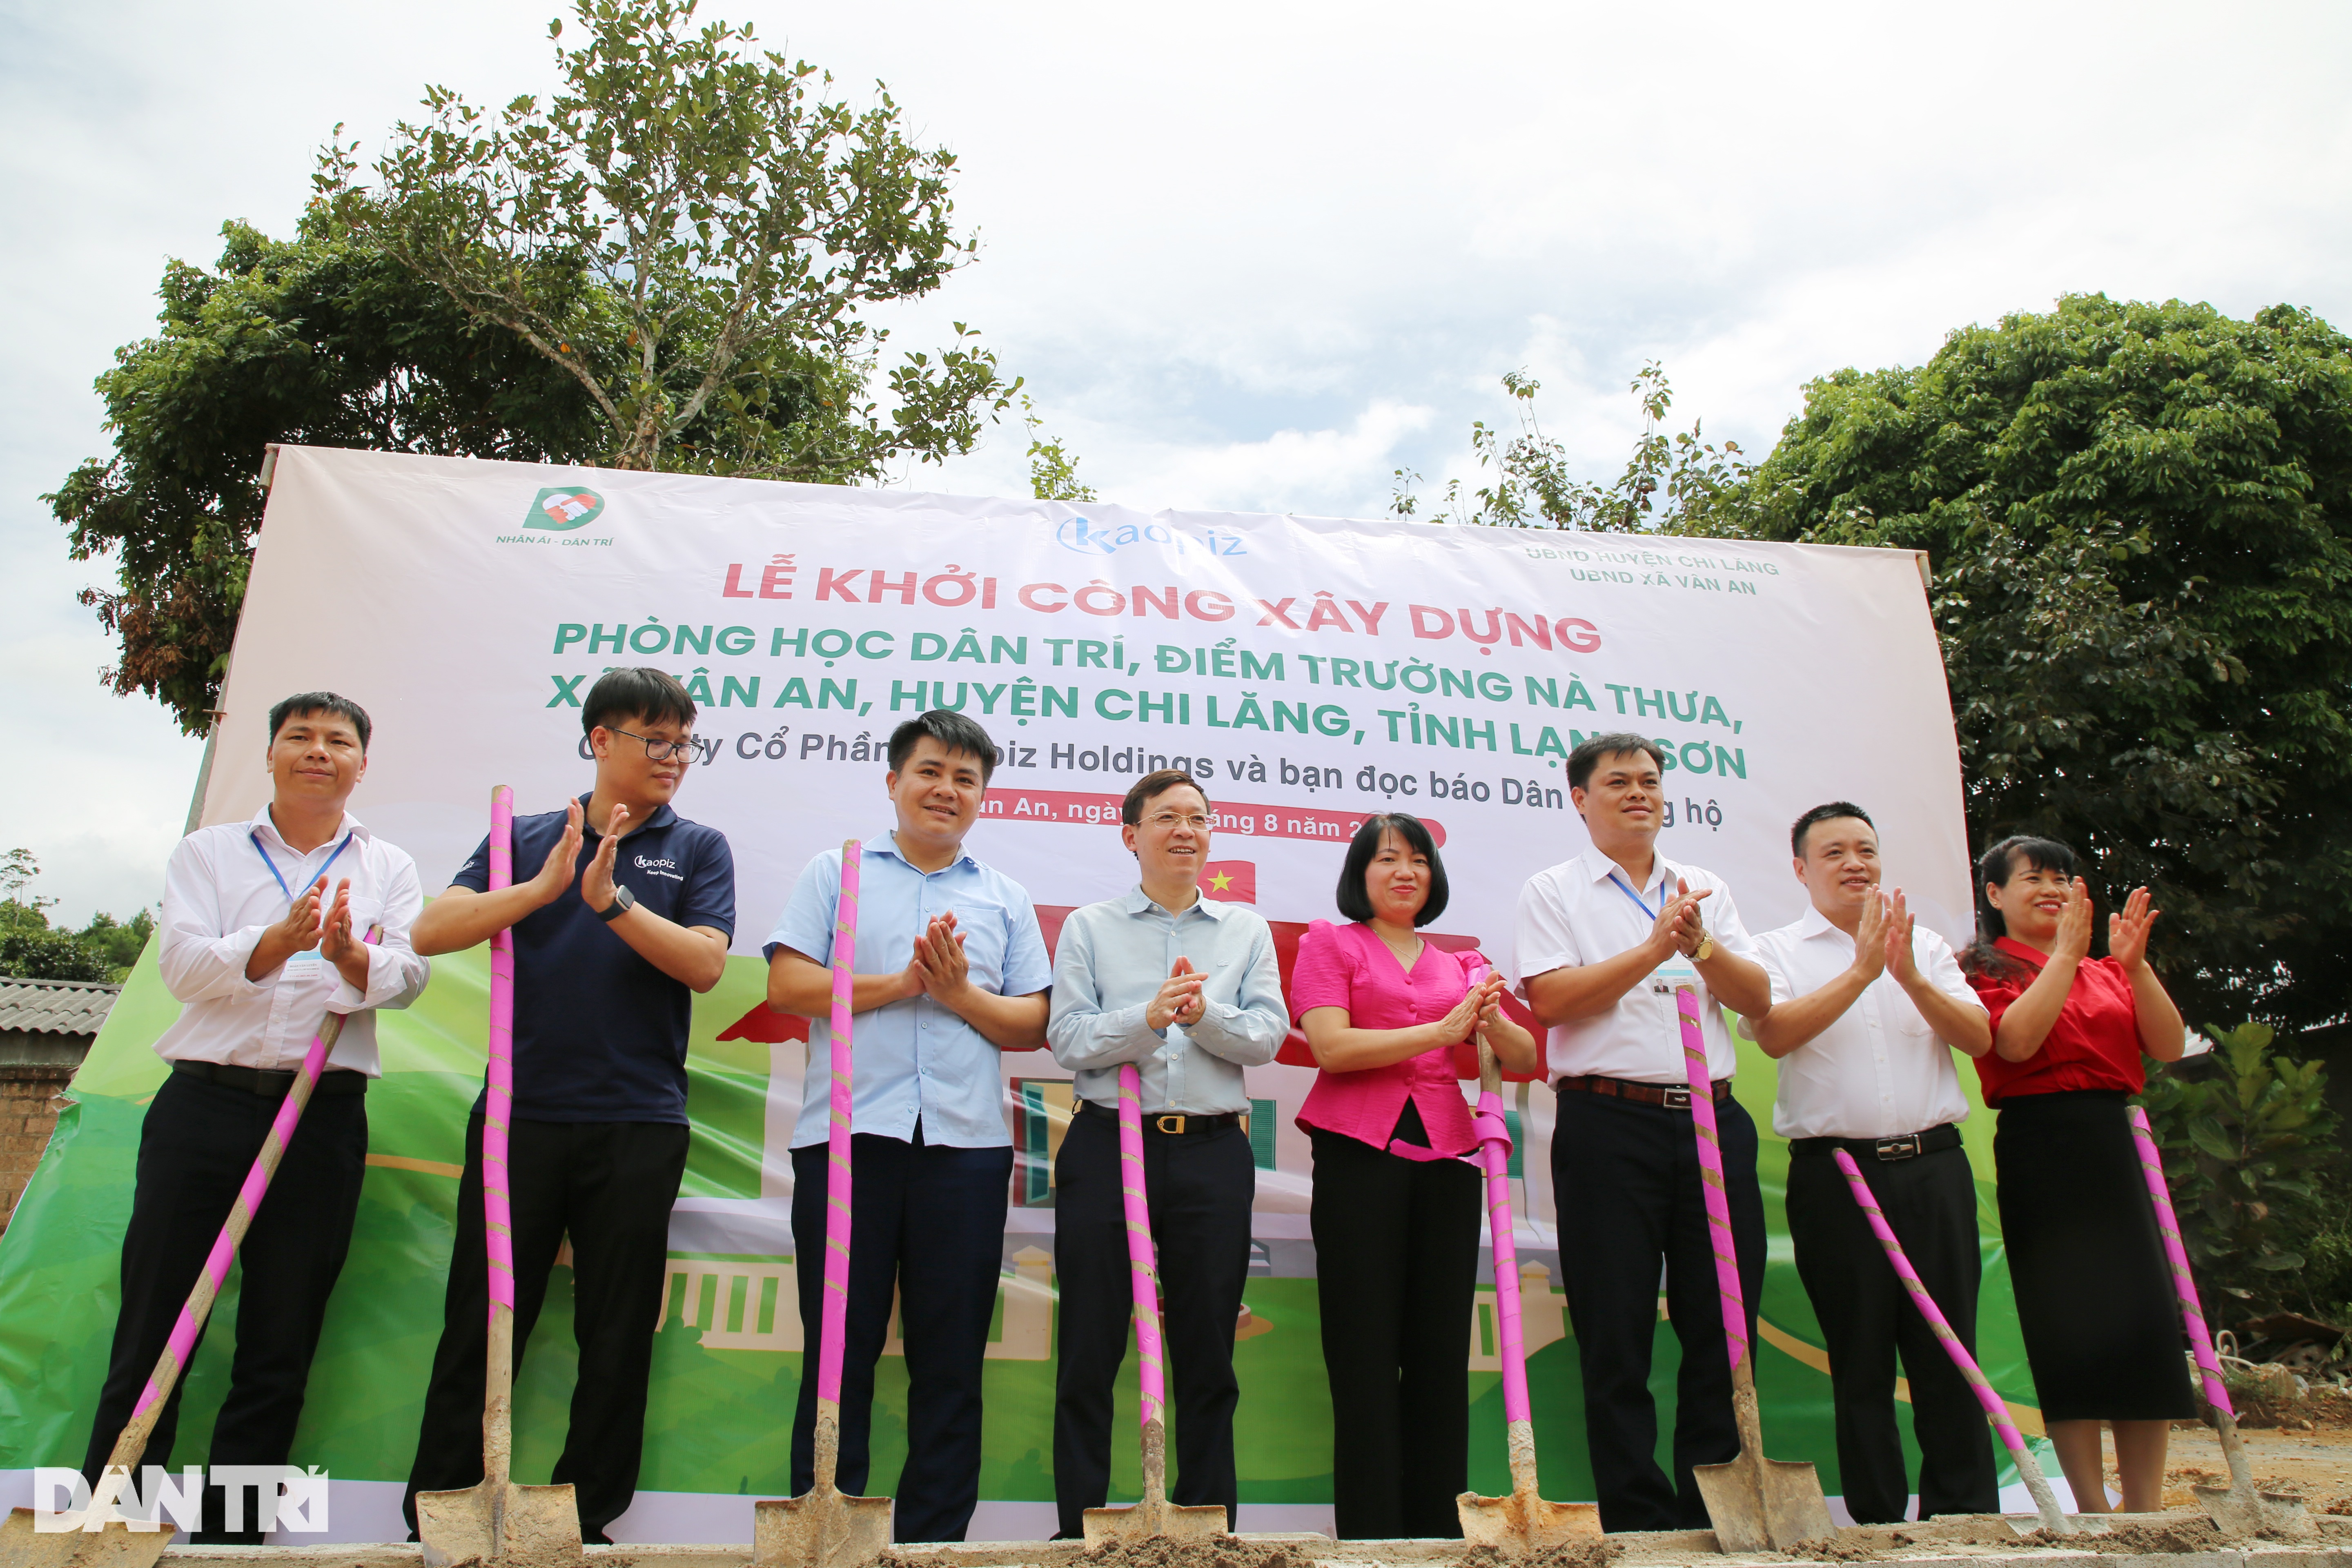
pixel 563 506
pixel 1089 536
pixel 285 1497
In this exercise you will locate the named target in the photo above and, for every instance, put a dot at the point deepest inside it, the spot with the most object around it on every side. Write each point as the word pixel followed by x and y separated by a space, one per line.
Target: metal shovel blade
pixel 500 1522
pixel 1524 1522
pixel 823 1527
pixel 2246 1513
pixel 1757 1504
pixel 1154 1516
pixel 117 1546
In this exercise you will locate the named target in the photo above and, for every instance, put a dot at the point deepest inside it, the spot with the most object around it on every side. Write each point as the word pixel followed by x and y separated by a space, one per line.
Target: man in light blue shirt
pixel 1187 989
pixel 950 970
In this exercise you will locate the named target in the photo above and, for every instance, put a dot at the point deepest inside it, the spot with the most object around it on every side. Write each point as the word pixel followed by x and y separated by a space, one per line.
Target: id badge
pixel 1677 971
pixel 307 955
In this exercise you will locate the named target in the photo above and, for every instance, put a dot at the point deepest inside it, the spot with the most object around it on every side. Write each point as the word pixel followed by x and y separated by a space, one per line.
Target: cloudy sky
pixel 1252 257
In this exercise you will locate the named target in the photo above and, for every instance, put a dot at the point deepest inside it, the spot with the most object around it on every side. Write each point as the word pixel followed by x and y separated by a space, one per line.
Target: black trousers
pixel 927 1223
pixel 1868 1318
pixel 1200 1186
pixel 1626 1185
pixel 198 1141
pixel 1396 1270
pixel 609 1185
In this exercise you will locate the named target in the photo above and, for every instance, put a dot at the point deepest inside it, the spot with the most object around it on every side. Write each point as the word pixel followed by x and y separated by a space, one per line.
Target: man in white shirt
pixel 1602 942
pixel 1864 1004
pixel 1188 990
pixel 258 953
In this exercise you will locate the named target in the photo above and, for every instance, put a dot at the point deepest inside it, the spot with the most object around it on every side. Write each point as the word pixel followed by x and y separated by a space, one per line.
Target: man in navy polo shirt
pixel 950 970
pixel 607 949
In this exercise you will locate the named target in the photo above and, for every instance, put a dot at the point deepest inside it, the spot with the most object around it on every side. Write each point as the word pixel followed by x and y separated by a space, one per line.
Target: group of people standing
pixel 629 909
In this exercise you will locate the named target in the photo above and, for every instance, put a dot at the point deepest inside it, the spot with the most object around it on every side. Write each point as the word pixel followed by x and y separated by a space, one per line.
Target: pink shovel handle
pixel 498 1106
pixel 1710 1176
pixel 2201 1339
pixel 1494 1157
pixel 1995 1409
pixel 1140 1264
pixel 198 1306
pixel 835 1318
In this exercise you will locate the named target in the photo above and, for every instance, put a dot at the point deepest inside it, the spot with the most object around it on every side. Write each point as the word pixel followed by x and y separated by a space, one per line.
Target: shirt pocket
pixel 983 923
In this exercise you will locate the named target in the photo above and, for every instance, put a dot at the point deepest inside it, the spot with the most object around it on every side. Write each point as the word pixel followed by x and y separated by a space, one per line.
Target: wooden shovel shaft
pixel 1494 1160
pixel 1141 1266
pixel 1711 1182
pixel 834 1311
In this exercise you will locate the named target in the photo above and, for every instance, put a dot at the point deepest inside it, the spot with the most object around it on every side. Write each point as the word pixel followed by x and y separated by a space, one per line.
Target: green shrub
pixel 2249 1144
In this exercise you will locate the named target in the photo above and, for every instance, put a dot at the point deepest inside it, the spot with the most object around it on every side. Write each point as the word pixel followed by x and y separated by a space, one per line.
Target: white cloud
pixel 1248 255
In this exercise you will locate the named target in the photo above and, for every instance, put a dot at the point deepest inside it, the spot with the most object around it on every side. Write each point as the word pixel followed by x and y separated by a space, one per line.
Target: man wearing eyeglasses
pixel 609 949
pixel 949 970
pixel 1187 989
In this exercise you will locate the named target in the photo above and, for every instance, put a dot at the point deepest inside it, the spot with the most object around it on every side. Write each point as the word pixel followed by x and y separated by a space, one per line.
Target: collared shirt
pixel 1349 967
pixel 600 1032
pixel 1578 913
pixel 2093 1044
pixel 1878 1071
pixel 220 897
pixel 914 1060
pixel 1109 964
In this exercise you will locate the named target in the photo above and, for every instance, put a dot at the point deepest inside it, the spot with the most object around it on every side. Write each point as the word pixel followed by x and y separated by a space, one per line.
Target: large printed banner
pixel 1309 671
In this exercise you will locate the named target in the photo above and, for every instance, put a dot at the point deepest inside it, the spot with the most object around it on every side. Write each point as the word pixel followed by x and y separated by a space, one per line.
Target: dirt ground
pixel 2309 1455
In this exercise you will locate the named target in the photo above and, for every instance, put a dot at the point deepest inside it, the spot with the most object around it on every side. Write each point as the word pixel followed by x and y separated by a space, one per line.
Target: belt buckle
pixel 1678 1098
pixel 1904 1148
pixel 1160 1122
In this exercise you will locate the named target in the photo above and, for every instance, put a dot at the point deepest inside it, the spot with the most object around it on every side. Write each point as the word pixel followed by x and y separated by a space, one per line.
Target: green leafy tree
pixel 336 338
pixel 29 949
pixel 2248 1140
pixel 319 339
pixel 118 942
pixel 1052 472
pixel 1672 483
pixel 677 227
pixel 2138 519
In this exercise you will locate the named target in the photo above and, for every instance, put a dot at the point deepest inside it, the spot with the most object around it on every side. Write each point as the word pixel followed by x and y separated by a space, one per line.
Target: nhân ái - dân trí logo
pixel 563 506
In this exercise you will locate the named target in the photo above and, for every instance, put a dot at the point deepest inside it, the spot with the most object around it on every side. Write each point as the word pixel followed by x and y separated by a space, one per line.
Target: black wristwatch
pixel 622 903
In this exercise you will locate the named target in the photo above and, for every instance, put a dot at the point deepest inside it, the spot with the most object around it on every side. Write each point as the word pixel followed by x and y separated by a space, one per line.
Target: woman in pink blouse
pixel 1395 1211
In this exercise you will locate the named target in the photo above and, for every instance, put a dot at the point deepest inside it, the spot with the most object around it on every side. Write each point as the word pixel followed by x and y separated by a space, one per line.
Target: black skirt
pixel 2095 1294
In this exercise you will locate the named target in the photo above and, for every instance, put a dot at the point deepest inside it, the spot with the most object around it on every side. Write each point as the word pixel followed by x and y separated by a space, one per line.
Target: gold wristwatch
pixel 1704 950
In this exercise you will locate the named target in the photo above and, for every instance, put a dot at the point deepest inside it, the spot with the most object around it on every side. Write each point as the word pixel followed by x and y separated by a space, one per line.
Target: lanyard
pixel 1627 888
pixel 255 835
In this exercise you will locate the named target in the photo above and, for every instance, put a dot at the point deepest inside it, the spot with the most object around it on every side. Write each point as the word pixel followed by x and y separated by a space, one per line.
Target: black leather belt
pixel 272 1083
pixel 1171 1124
pixel 1672 1096
pixel 1902 1146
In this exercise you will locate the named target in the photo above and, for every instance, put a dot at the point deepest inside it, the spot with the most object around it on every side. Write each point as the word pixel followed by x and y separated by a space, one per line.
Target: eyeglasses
pixel 1167 820
pixel 660 751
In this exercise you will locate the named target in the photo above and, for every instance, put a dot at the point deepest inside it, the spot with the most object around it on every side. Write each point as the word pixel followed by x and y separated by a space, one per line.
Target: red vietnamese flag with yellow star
pixel 1232 881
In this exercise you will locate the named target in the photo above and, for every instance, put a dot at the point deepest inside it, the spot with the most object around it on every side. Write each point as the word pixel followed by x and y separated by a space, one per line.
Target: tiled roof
pixel 55 1006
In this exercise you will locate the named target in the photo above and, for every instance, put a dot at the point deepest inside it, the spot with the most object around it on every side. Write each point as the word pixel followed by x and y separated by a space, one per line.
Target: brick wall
pixel 28 1110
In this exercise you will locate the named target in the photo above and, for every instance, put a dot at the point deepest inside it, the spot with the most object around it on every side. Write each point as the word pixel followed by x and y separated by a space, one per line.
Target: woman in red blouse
pixel 2095 1295
pixel 1395 1210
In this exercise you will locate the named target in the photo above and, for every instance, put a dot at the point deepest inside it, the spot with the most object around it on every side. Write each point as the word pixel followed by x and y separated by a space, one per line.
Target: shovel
pixel 824 1527
pixel 2238 1508
pixel 1755 1503
pixel 1155 1515
pixel 1522 1523
pixel 495 1520
pixel 98 1536
pixel 2046 1501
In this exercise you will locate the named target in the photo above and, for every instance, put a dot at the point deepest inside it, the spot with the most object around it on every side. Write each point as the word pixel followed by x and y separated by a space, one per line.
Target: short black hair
pixel 1152 785
pixel 304 703
pixel 1828 812
pixel 1589 753
pixel 1351 898
pixel 950 729
pixel 637 691
pixel 1994 869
